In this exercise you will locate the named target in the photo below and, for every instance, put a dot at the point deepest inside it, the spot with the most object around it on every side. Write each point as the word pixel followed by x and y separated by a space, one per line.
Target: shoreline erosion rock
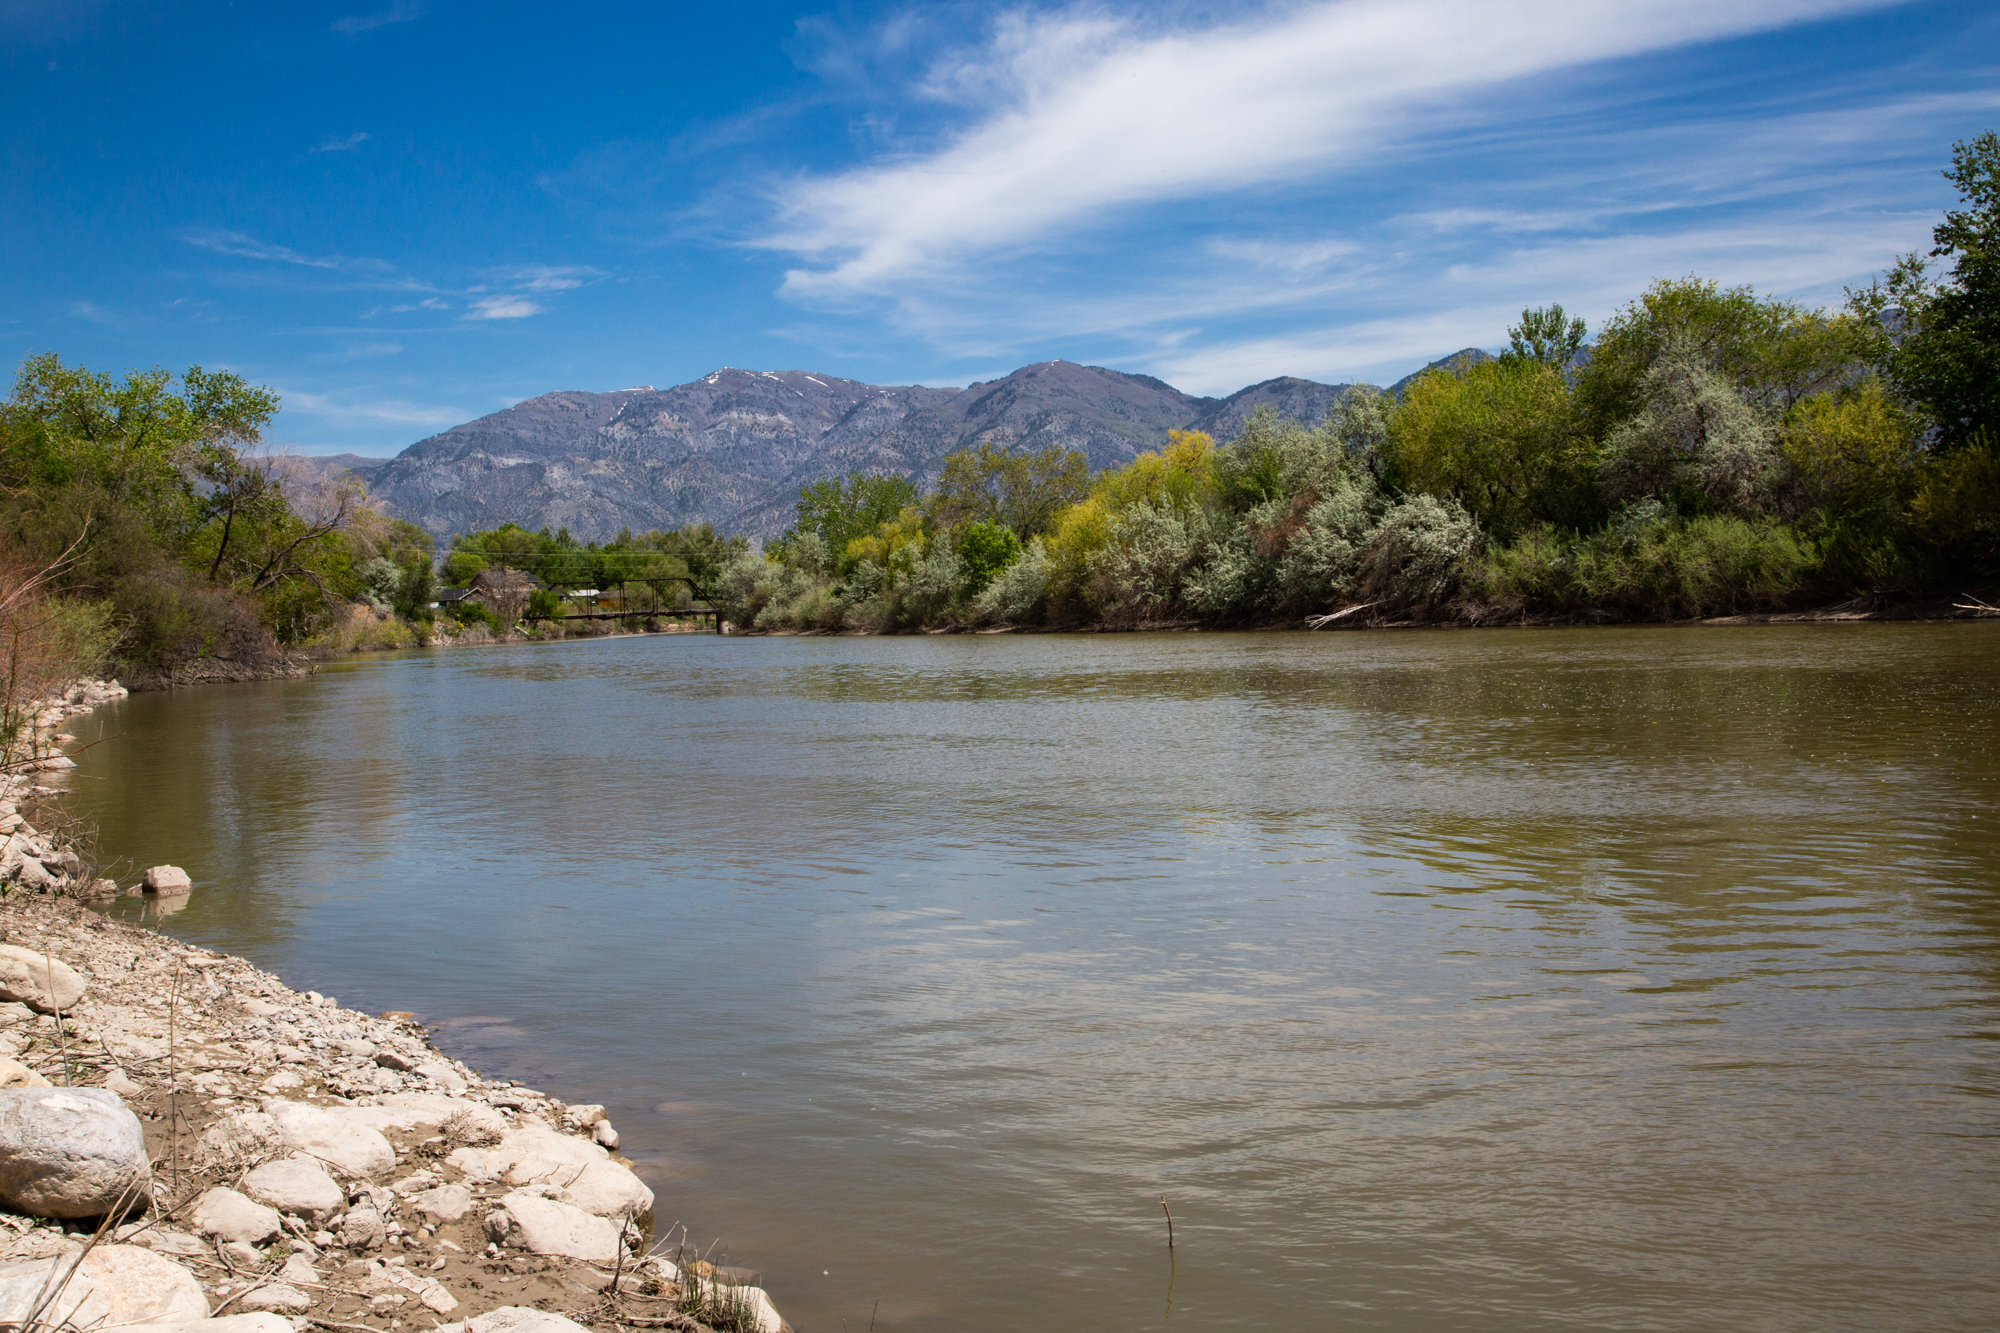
pixel 280 1160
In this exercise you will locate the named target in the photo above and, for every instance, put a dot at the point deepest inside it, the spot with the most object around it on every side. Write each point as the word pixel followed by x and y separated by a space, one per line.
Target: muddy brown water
pixel 1620 978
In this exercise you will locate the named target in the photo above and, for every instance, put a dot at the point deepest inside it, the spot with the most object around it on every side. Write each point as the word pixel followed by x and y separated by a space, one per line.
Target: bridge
pixel 661 609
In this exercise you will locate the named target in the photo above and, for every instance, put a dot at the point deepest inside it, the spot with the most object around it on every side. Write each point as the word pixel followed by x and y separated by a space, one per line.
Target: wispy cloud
pixel 403 11
pixel 503 307
pixel 547 278
pixel 350 410
pixel 96 314
pixel 1078 115
pixel 335 144
pixel 249 247
pixel 525 281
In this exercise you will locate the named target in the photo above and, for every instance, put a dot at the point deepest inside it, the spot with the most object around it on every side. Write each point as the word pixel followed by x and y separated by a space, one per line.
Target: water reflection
pixel 1567 979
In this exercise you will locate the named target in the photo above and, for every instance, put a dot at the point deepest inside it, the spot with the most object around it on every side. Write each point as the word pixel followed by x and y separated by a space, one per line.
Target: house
pixel 503 592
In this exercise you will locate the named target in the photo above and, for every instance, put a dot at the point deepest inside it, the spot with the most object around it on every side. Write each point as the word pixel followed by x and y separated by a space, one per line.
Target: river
pixel 1636 978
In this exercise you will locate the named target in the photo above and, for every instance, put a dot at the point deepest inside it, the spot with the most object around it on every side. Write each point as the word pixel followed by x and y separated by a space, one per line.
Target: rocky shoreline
pixel 185 1141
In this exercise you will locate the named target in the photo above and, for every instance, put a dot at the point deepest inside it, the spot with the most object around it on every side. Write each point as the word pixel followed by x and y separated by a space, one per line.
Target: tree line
pixel 1711 451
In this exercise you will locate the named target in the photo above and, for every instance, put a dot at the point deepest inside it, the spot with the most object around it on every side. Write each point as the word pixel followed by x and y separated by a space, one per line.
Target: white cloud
pixel 96 314
pixel 530 278
pixel 403 11
pixel 335 144
pixel 378 271
pixel 387 411
pixel 502 307
pixel 1082 115
pixel 549 278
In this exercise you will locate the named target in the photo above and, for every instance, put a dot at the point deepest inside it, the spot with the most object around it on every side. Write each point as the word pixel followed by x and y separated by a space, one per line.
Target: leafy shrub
pixel 1695 439
pixel 365 630
pixel 1414 555
pixel 1957 507
pixel 1018 594
pixel 171 615
pixel 1649 565
pixel 984 549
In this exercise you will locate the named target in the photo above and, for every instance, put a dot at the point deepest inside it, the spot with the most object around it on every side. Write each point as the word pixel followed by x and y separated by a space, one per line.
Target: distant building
pixel 503 592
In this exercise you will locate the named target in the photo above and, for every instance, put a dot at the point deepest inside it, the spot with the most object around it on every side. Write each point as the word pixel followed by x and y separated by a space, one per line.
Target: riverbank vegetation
pixel 151 532
pixel 1711 452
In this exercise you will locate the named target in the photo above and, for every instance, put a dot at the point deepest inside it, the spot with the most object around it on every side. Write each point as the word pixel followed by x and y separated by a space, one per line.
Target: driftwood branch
pixel 1977 606
pixel 1320 622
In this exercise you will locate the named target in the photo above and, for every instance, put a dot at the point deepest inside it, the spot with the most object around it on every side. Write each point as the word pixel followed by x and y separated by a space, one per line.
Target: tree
pixel 1544 336
pixel 703 553
pixel 984 549
pixel 1021 492
pixel 1947 360
pixel 841 509
pixel 1695 441
pixel 1773 353
pixel 1501 437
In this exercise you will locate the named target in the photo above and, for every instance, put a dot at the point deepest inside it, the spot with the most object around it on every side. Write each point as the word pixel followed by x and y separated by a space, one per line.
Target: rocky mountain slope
pixel 734 447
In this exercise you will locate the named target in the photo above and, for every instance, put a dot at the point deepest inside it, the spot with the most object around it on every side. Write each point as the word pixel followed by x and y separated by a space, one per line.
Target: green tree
pixel 1773 353
pixel 1947 359
pixel 1546 335
pixel 841 509
pixel 200 545
pixel 1019 491
pixel 1500 437
pixel 984 549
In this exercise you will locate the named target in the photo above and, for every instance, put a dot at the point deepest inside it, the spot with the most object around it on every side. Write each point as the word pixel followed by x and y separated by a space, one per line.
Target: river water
pixel 1618 978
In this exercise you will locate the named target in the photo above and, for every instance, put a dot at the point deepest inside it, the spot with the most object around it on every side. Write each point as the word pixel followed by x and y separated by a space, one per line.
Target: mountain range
pixel 733 447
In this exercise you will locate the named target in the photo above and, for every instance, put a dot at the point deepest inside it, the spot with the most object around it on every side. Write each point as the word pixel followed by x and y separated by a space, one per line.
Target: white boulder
pixel 145 1287
pixel 534 1154
pixel 228 1216
pixel 14 1074
pixel 514 1319
pixel 525 1220
pixel 350 1148
pixel 296 1185
pixel 442 1074
pixel 65 1299
pixel 442 1203
pixel 277 1297
pixel 229 1323
pixel 168 880
pixel 609 1190
pixel 363 1228
pixel 762 1311
pixel 424 1110
pixel 44 983
pixel 70 1152
pixel 245 1134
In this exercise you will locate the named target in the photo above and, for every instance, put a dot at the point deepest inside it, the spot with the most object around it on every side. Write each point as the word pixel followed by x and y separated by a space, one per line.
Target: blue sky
pixel 409 213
